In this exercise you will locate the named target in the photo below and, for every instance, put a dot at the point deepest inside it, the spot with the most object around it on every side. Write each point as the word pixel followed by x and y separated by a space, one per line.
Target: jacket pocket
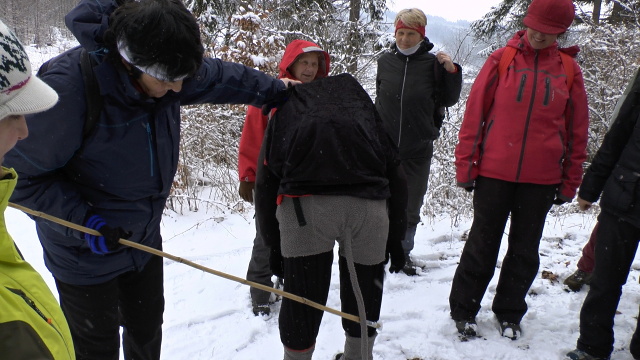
pixel 547 91
pixel 619 191
pixel 523 82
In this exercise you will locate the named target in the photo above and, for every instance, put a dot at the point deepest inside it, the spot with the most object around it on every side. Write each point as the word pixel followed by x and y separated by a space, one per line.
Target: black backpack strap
pixel 92 93
pixel 45 66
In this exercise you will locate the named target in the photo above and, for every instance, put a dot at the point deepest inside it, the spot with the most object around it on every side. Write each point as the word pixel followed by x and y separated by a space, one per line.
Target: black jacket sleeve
pixel 610 152
pixel 451 86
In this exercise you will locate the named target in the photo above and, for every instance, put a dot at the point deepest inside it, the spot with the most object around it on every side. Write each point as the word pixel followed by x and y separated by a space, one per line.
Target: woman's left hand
pixel 445 60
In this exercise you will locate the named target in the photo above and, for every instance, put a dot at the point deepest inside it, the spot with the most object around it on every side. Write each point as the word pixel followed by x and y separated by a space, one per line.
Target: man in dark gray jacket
pixel 613 178
pixel 117 179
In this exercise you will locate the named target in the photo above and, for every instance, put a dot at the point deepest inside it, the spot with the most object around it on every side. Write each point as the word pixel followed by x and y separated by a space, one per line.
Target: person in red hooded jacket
pixel 521 146
pixel 304 61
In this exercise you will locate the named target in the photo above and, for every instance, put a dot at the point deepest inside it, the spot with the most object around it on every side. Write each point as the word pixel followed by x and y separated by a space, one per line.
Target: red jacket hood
pixel 295 49
pixel 520 41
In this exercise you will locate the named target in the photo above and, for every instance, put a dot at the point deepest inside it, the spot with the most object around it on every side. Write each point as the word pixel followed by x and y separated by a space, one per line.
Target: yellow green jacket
pixel 32 326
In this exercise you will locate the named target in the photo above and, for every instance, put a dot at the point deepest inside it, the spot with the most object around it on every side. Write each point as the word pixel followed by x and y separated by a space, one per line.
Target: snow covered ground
pixel 209 317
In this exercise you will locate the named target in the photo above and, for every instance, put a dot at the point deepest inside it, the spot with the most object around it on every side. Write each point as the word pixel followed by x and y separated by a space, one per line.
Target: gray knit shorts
pixel 361 223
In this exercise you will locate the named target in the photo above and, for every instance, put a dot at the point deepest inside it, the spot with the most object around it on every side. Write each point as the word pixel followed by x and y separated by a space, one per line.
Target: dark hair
pixel 156 32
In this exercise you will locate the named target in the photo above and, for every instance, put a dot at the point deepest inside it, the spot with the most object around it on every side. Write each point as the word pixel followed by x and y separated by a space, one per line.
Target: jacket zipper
pixel 404 78
pixel 547 91
pixel 563 149
pixel 33 305
pixel 35 308
pixel 526 124
pixel 523 82
pixel 150 148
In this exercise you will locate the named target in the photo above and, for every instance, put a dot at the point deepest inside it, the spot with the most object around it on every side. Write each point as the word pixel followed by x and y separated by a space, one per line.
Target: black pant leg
pixel 92 314
pixel 141 310
pixel 371 280
pixel 309 277
pixel 615 250
pixel 258 270
pixel 417 172
pixel 634 347
pixel 521 262
pixel 492 201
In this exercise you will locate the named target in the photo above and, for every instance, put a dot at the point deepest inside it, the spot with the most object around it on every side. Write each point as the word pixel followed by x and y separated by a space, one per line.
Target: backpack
pixel 94 101
pixel 327 138
pixel 510 52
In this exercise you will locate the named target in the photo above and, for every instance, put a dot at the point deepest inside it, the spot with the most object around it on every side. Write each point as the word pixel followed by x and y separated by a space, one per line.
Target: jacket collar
pixel 521 42
pixel 7 184
pixel 425 47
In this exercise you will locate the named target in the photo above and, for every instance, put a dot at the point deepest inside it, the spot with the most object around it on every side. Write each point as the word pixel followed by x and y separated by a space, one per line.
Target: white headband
pixel 157 71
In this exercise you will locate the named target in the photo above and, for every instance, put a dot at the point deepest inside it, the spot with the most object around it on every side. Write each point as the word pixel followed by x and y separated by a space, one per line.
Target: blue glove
pixel 108 242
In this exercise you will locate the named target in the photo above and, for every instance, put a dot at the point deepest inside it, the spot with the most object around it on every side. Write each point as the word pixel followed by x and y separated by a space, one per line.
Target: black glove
pixel 396 253
pixel 558 201
pixel 108 242
pixel 276 262
pixel 469 189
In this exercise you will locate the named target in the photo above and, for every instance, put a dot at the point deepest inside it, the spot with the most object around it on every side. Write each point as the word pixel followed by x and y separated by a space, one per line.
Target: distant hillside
pixel 451 37
pixel 439 30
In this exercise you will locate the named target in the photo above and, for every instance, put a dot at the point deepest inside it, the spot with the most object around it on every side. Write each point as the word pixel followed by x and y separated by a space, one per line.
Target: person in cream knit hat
pixel 32 325
pixel 21 92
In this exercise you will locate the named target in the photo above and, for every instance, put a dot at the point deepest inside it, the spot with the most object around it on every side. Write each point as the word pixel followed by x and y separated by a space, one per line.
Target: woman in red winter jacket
pixel 304 61
pixel 521 147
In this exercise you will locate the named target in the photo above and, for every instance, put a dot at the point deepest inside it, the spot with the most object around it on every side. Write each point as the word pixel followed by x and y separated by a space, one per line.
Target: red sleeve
pixel 577 125
pixel 250 142
pixel 467 153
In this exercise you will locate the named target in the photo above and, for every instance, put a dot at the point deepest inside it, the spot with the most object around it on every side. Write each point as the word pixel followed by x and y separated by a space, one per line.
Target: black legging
pixel 310 277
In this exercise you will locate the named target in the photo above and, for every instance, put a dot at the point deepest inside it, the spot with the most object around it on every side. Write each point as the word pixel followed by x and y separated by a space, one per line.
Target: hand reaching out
pixel 290 82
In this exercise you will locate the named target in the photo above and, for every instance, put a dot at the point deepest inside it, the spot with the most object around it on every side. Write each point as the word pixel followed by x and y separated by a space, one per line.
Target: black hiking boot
pixel 261 309
pixel 410 268
pixel 577 279
pixel 581 355
pixel 510 330
pixel 467 328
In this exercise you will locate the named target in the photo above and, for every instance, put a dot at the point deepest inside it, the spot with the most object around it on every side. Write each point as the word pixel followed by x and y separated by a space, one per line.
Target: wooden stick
pixel 151 250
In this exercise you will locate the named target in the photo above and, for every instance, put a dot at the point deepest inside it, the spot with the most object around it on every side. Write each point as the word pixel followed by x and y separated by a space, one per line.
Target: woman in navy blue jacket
pixel 117 179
